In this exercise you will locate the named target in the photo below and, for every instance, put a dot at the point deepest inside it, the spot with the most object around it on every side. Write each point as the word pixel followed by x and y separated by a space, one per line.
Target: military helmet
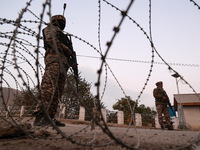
pixel 59 21
pixel 158 83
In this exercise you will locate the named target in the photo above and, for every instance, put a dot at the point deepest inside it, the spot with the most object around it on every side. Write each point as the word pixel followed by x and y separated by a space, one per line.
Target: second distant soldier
pixel 162 100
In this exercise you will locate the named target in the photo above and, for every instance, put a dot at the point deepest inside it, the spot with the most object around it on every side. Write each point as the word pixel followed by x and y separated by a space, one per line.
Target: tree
pixel 26 98
pixel 125 104
pixel 112 117
pixel 147 113
pixel 73 99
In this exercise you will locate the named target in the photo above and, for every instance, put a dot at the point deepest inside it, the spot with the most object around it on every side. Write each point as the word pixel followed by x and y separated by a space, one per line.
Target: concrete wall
pixel 120 117
pixel 175 121
pixel 138 119
pixel 82 114
pixel 192 116
pixel 104 113
pixel 157 125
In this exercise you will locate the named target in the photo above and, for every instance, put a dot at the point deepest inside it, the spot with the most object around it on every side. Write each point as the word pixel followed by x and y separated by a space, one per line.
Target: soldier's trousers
pixel 52 86
pixel 162 109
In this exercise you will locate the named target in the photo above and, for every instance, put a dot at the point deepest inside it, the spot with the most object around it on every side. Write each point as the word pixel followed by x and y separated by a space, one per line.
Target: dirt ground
pixel 80 136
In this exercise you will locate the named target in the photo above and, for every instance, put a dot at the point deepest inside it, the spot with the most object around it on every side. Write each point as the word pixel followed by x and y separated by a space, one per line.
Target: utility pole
pixel 182 124
pixel 176 75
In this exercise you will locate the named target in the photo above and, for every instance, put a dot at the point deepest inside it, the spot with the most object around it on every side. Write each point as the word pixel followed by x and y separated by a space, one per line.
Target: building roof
pixel 186 99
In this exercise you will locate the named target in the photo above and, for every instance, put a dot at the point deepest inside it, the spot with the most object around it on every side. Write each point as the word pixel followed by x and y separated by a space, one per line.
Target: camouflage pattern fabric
pixel 161 105
pixel 159 93
pixel 55 46
pixel 52 86
pixel 162 109
pixel 59 21
pixel 56 61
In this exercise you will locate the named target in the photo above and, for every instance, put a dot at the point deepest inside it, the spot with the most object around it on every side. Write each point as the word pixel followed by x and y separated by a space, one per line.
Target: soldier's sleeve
pixel 165 95
pixel 167 98
pixel 51 35
pixel 157 94
pixel 61 45
pixel 65 49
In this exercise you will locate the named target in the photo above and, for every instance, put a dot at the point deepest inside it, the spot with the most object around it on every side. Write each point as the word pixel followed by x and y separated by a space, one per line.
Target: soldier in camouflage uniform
pixel 56 61
pixel 162 100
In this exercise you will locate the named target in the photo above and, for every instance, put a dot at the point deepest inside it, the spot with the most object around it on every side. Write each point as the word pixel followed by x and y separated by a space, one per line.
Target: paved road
pixel 154 138
pixel 84 138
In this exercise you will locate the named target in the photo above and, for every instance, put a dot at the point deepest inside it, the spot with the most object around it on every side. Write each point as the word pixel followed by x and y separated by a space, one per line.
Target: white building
pixel 188 107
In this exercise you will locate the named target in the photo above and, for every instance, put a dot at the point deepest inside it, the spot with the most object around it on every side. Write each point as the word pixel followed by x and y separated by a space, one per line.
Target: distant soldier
pixel 162 100
pixel 57 63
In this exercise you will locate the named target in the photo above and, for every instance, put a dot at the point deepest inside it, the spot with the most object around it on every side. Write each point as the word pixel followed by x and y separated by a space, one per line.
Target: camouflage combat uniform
pixel 161 106
pixel 56 62
pixel 53 80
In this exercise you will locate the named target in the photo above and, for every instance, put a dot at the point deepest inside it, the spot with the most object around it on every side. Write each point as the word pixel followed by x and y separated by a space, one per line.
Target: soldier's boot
pixel 170 127
pixel 58 123
pixel 162 126
pixel 40 119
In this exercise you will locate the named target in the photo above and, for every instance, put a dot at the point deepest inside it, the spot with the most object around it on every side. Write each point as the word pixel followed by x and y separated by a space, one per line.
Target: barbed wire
pixel 99 42
pixel 195 4
pixel 17 45
pixel 142 61
pixel 116 30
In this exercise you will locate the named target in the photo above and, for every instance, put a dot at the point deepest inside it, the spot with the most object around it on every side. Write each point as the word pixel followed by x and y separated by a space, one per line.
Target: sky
pixel 175 34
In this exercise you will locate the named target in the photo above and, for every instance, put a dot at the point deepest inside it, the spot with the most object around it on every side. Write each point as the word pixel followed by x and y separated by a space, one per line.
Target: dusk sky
pixel 175 34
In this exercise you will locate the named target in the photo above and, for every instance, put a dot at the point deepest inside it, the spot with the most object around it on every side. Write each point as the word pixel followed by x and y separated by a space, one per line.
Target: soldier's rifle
pixel 167 100
pixel 73 60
